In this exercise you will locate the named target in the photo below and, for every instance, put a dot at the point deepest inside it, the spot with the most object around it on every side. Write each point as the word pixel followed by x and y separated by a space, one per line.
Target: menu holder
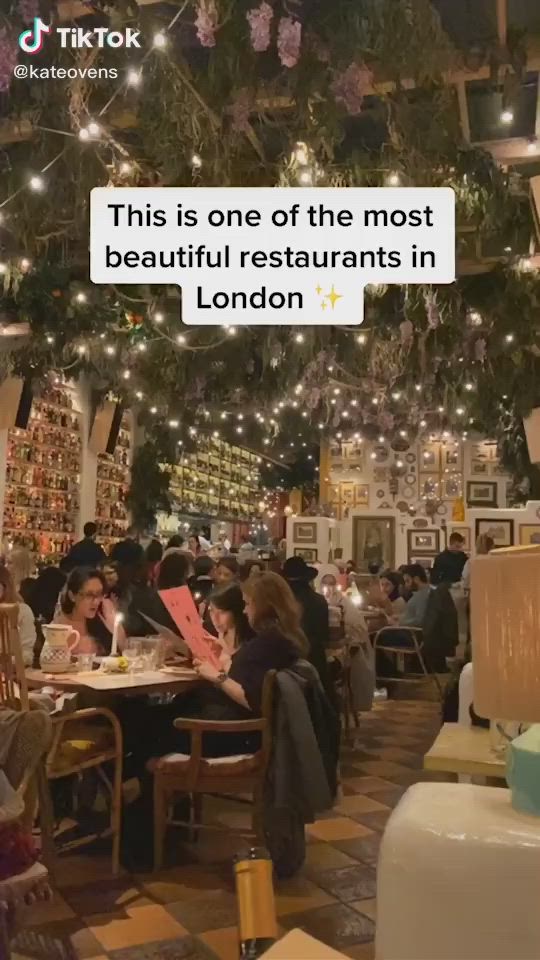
pixel 181 606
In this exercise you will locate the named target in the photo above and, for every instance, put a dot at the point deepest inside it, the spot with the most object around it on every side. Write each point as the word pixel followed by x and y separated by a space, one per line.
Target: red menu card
pixel 181 606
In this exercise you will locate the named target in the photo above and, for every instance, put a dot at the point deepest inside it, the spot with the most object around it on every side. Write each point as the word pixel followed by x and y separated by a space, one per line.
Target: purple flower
pixel 351 86
pixel 8 59
pixel 288 42
pixel 28 9
pixel 259 19
pixel 206 22
pixel 240 110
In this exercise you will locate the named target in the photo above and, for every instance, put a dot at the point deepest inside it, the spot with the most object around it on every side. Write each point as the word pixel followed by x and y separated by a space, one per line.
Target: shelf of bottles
pixel 41 503
pixel 218 480
pixel 113 480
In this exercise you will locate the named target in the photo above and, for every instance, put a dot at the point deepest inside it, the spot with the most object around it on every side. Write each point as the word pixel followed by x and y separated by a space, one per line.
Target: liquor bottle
pixel 257 924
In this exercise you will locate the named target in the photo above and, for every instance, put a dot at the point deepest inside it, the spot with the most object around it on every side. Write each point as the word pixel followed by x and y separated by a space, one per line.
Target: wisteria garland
pixel 351 86
pixel 259 19
pixel 206 23
pixel 8 59
pixel 288 42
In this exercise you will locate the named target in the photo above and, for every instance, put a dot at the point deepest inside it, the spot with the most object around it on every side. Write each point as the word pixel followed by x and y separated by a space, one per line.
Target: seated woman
pixel 236 693
pixel 81 607
pixel 25 620
pixel 346 620
pixel 226 611
pixel 386 594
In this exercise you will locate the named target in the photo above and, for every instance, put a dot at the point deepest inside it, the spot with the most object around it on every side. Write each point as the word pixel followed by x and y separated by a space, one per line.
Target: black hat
pixel 296 568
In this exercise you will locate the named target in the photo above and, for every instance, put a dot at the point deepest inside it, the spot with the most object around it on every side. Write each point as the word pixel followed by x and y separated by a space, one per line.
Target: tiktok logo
pixel 31 41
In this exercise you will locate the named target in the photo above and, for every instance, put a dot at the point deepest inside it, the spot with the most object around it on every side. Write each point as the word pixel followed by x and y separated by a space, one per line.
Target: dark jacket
pixel 85 553
pixel 440 628
pixel 448 567
pixel 316 626
pixel 302 773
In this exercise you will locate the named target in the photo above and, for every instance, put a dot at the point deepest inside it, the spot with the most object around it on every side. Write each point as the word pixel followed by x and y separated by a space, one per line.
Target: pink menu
pixel 181 606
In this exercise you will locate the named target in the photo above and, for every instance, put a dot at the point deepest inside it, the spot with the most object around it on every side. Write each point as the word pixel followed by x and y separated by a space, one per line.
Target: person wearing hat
pixel 315 616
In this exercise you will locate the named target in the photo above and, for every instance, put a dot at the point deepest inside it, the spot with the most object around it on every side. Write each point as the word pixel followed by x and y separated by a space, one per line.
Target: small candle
pixel 118 620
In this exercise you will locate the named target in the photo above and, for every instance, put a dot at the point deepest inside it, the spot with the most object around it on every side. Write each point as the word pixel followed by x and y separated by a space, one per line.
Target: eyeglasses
pixel 89 595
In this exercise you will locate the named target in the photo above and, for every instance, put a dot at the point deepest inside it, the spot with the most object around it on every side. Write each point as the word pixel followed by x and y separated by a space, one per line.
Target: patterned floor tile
pixel 102 897
pixel 337 925
pixel 134 927
pixel 375 821
pixel 187 948
pixel 366 849
pixel 350 883
pixel 299 894
pixel 390 798
pixel 367 907
pixel 381 768
pixel 362 951
pixel 223 943
pixel 338 828
pixel 368 784
pixel 49 912
pixel 210 913
pixel 184 883
pixel 360 803
pixel 63 940
pixel 324 856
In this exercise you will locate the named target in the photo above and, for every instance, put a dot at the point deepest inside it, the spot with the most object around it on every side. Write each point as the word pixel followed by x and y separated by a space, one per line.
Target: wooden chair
pixel 79 743
pixel 193 774
pixel 383 642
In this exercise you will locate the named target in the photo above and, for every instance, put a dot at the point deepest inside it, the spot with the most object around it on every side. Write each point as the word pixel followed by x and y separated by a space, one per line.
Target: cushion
pixel 215 766
pixel 83 740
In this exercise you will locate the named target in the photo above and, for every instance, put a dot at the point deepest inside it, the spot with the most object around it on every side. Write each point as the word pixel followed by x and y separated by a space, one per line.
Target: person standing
pixel 315 617
pixel 85 553
pixel 448 566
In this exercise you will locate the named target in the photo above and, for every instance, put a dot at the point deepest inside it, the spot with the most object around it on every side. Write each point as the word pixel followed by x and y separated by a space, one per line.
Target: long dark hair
pixel 74 584
pixel 230 599
pixel 154 551
pixel 173 571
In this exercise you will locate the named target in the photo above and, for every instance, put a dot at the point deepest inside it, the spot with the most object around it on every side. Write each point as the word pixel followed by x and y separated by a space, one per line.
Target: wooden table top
pixel 124 684
pixel 466 750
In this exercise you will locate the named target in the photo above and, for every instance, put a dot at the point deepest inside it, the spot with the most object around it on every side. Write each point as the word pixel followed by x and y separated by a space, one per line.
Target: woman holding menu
pixel 236 693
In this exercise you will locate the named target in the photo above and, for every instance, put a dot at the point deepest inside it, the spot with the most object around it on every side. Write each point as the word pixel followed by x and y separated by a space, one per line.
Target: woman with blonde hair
pixel 26 626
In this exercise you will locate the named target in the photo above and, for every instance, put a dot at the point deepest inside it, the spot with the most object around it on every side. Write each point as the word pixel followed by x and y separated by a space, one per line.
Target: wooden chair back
pixel 13 686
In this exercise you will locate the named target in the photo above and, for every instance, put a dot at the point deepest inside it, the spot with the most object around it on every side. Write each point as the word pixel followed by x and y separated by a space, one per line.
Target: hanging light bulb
pixel 305 178
pixel 37 183
pixel 126 374
pixel 299 338
pixel 181 339
pixel 110 350
pixel 139 394
pixel 126 168
pixel 153 409
pixel 25 263
pixel 507 116
pixel 301 154
pixel 196 161
pixel 173 424
pixel 134 77
pixel 361 339
pixel 80 297
pixel 159 40
pixel 3 268
pixel 393 179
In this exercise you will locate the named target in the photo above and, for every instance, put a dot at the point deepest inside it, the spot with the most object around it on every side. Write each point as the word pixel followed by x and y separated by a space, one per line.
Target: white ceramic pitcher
pixel 56 653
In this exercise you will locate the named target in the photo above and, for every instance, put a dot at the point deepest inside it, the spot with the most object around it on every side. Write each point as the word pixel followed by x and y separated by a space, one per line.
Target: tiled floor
pixel 189 912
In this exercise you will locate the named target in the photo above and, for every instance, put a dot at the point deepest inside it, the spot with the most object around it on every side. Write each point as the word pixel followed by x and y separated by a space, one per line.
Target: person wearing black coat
pixel 315 616
pixel 85 553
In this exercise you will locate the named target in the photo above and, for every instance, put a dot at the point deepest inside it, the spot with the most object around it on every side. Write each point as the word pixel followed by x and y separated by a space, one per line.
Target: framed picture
pixel 429 486
pixel 333 493
pixel 479 467
pixel 380 474
pixel 308 554
pixel 423 541
pixel 451 458
pixel 451 487
pixel 430 460
pixel 464 532
pixel 347 493
pixel 529 533
pixel 361 495
pixel 481 493
pixel 426 562
pixel 373 542
pixel 305 532
pixel 381 453
pixel 500 531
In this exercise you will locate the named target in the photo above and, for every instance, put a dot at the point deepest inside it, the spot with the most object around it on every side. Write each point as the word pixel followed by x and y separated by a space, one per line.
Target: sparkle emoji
pixel 328 299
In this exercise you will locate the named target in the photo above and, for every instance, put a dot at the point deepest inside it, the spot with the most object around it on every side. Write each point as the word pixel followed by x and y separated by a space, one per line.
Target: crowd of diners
pixel 259 621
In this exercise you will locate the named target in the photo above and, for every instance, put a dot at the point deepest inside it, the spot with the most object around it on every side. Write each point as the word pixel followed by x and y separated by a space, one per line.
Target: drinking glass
pixel 134 659
pixel 85 662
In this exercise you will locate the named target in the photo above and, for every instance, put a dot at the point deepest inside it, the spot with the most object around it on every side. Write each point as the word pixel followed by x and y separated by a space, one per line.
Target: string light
pixel 37 183
pixel 50 338
pixel 110 350
pixel 80 297
pixel 139 394
pixel 173 424
pixel 141 347
pixel 305 177
pixel 3 268
pixel 126 168
pixel 393 179
pixel 153 409
pixel 509 338
pixel 299 338
pixel 469 387
pixel 181 339
pixel 507 116
pixel 196 161
pixel 134 77
pixel 460 411
pixel 158 318
pixel 231 331
pixel 159 40
pixel 361 339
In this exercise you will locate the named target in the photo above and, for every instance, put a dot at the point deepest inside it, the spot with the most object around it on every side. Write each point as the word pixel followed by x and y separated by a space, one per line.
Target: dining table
pixel 100 684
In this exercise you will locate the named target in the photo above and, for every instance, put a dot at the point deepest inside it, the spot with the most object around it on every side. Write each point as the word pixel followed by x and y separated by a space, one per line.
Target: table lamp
pixel 505 631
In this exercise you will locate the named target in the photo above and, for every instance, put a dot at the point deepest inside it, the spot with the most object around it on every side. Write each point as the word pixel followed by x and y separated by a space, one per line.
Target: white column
pixel 87 511
pixel 3 471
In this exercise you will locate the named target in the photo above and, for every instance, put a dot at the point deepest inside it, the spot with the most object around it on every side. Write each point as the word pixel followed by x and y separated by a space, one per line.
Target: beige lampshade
pixel 505 631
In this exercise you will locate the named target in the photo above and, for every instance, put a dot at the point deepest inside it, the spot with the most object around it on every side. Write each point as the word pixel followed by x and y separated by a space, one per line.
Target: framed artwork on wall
pixel 430 460
pixel 529 533
pixel 426 562
pixel 423 542
pixel 481 493
pixel 452 487
pixel 347 493
pixel 451 458
pixel 308 554
pixel 500 531
pixel 373 542
pixel 464 532
pixel 479 467
pixel 361 495
pixel 380 474
pixel 429 486
pixel 305 532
